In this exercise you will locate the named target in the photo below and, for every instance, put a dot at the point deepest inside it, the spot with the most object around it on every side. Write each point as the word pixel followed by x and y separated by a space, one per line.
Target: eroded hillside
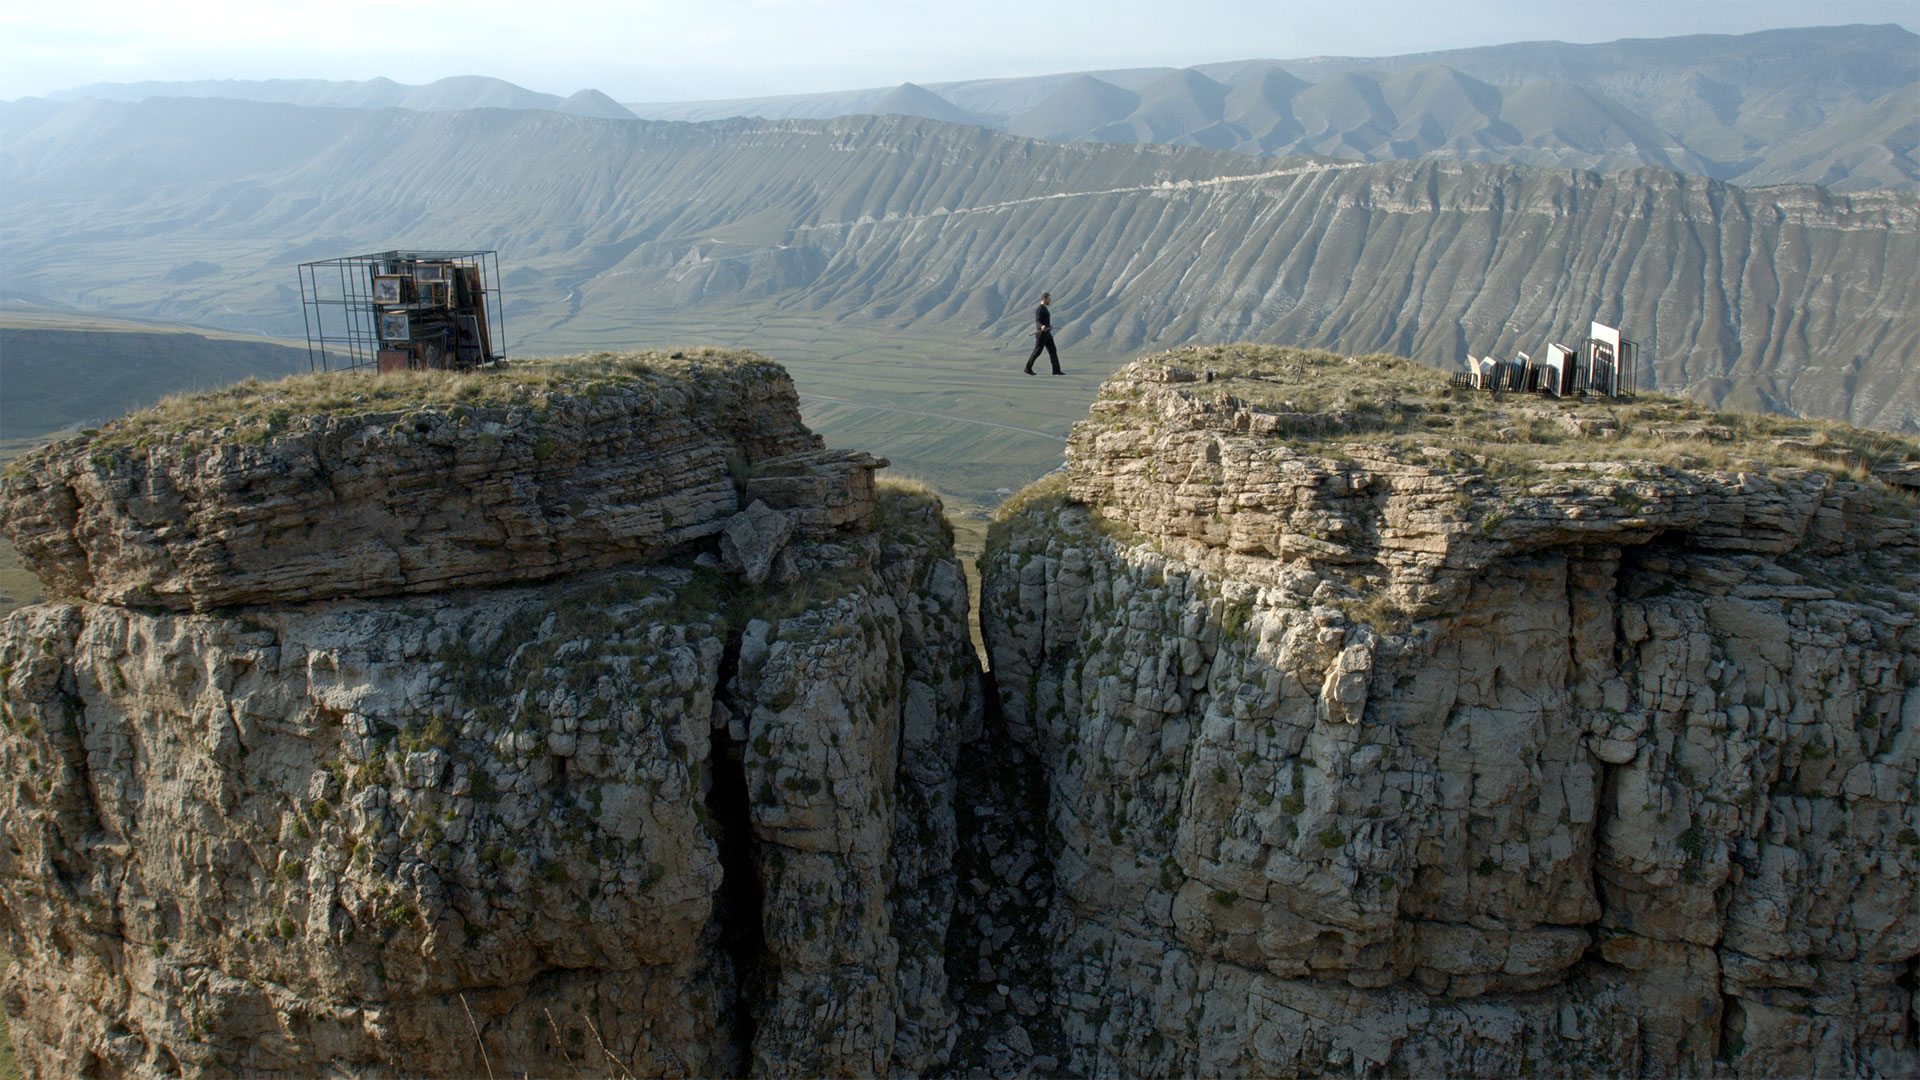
pixel 931 240
pixel 1829 105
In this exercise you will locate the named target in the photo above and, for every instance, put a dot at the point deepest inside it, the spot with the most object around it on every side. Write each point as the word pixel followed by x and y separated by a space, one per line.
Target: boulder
pixel 752 540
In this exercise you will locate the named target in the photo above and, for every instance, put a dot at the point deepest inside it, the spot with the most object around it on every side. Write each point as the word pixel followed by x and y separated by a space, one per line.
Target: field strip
pixel 1164 185
pixel 935 415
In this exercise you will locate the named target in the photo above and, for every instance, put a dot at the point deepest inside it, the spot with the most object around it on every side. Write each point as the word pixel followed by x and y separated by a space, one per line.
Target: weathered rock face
pixel 541 475
pixel 1363 759
pixel 1363 755
pixel 649 819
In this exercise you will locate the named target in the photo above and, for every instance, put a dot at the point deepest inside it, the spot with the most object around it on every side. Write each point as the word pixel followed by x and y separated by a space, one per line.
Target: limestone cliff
pixel 589 717
pixel 1382 729
pixel 585 716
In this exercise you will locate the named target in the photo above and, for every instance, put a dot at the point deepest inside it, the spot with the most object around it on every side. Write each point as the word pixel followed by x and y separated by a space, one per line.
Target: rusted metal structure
pixel 403 310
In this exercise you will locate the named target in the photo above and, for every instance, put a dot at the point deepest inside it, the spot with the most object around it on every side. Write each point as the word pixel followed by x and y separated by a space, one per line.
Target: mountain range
pixel 934 237
pixel 1838 106
pixel 441 95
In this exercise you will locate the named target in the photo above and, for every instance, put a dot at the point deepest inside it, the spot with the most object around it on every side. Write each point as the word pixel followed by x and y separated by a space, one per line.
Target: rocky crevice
pixel 1292 760
pixel 998 953
pixel 739 906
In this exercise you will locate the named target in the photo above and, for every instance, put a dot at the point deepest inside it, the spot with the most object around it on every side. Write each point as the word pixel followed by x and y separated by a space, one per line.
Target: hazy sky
pixel 673 50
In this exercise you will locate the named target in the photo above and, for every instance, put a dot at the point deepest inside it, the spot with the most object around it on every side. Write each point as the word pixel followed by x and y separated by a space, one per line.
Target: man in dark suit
pixel 1043 335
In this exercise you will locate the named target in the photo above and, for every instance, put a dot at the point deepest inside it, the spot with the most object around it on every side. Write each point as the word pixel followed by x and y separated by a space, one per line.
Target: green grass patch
pixel 65 370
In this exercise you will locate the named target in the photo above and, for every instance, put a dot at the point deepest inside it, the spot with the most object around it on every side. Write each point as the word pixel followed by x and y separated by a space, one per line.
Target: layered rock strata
pixel 1370 755
pixel 311 494
pixel 647 819
pixel 624 729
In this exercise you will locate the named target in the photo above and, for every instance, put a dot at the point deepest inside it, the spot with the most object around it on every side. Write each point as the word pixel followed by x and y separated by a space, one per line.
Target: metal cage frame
pixel 342 315
pixel 1603 363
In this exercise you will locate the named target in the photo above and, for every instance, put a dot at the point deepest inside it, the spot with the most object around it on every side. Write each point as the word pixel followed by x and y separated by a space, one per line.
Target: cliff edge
pixel 1384 729
pixel 590 716
pixel 580 716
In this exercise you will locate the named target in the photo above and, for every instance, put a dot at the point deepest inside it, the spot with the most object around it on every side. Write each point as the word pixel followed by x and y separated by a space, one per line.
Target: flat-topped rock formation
pixel 421 726
pixel 1421 489
pixel 590 717
pixel 330 486
pixel 1384 728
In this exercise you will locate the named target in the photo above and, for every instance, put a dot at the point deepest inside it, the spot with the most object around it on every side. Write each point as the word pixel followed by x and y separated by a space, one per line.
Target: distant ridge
pixel 1826 105
pixel 1725 106
pixel 1182 107
pixel 1080 109
pixel 443 95
pixel 910 100
pixel 1877 140
pixel 1881 56
pixel 593 103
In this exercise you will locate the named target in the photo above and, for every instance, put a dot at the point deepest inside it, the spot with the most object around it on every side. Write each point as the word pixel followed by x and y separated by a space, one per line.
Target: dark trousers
pixel 1044 340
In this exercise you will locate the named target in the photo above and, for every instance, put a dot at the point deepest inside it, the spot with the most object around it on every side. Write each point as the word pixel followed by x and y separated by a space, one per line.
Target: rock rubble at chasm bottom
pixel 644 818
pixel 1358 757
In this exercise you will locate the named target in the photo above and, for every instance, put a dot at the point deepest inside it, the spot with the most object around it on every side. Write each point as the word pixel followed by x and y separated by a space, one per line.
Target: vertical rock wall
pixel 1308 756
pixel 1625 781
pixel 652 818
pixel 261 843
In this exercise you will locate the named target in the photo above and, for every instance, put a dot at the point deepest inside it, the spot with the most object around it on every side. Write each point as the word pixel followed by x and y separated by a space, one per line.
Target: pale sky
pixel 679 50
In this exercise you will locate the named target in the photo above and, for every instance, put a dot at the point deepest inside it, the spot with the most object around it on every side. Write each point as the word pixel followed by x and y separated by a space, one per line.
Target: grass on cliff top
pixel 1048 490
pixel 1395 402
pixel 1043 496
pixel 251 410
pixel 906 507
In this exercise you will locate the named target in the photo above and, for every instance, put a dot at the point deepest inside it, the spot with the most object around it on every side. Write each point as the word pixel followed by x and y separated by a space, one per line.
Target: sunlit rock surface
pixel 640 816
pixel 1363 754
pixel 1343 724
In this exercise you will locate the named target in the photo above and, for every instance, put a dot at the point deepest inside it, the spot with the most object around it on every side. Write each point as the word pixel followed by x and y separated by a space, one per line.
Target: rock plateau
pixel 590 717
pixel 1362 754
pixel 427 737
